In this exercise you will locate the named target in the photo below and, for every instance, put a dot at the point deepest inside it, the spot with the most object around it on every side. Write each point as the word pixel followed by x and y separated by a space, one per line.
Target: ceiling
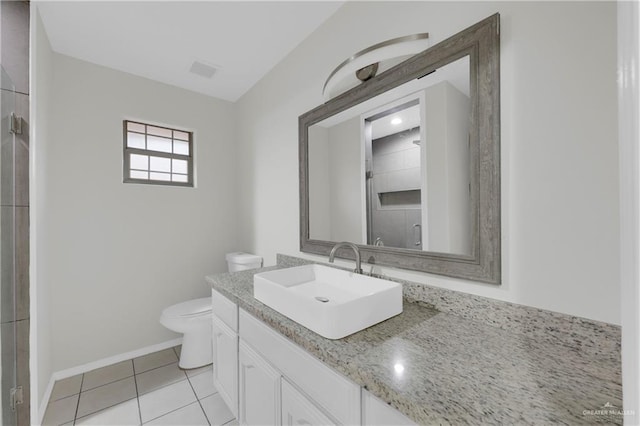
pixel 161 40
pixel 408 118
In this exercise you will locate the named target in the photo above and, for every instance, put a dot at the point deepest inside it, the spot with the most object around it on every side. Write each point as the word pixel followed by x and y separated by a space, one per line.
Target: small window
pixel 157 155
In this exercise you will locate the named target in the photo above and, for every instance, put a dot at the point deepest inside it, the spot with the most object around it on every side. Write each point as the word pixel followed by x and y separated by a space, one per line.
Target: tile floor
pixel 148 390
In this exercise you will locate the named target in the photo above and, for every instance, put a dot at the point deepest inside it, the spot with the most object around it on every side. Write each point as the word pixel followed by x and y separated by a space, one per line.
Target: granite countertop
pixel 456 370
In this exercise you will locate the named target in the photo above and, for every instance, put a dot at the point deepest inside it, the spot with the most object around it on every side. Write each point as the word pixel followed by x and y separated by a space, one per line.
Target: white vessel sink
pixel 332 302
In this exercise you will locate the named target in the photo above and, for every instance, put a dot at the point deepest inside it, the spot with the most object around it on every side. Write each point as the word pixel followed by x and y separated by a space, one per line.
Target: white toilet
pixel 240 261
pixel 193 318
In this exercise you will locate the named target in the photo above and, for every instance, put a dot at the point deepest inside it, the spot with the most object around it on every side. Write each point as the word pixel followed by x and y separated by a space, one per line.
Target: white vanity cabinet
pixel 225 350
pixel 298 410
pixel 336 396
pixel 259 389
pixel 267 379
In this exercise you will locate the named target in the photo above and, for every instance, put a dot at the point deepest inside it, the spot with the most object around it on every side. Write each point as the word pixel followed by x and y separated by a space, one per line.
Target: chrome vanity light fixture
pixel 366 63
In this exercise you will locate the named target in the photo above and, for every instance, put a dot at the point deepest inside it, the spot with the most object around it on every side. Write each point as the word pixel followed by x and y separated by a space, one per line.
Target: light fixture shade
pixel 386 54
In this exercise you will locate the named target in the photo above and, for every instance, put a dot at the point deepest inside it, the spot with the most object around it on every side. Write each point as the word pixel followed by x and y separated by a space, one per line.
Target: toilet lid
pixel 190 308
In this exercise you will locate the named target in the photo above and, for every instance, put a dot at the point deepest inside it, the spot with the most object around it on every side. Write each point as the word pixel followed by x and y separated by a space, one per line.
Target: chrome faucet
pixel 335 248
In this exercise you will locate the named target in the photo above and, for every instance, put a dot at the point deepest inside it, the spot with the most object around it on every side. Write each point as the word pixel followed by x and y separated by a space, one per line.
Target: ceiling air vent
pixel 203 70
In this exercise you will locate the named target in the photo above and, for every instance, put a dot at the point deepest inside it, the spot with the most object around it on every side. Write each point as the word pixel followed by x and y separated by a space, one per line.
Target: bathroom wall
pixel 558 152
pixel 117 254
pixel 629 134
pixel 345 188
pixel 336 200
pixel 41 85
pixel 319 187
pixel 447 159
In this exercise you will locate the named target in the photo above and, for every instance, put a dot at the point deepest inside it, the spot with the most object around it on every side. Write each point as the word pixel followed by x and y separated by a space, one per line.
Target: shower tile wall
pixel 396 172
pixel 14 219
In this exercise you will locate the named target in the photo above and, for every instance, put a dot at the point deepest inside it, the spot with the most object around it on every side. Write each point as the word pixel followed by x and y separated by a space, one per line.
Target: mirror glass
pixel 407 164
pixel 394 170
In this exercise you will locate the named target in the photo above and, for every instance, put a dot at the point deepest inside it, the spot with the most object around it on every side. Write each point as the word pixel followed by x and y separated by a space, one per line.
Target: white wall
pixel 447 160
pixel 319 188
pixel 117 254
pixel 40 335
pixel 629 127
pixel 345 183
pixel 335 203
pixel 457 104
pixel 559 152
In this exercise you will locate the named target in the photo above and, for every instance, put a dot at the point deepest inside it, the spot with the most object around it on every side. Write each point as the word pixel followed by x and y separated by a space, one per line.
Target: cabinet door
pixel 297 410
pixel 225 364
pixel 326 388
pixel 259 396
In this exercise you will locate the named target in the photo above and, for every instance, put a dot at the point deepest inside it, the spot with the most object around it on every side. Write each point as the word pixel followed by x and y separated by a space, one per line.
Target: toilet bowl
pixel 193 319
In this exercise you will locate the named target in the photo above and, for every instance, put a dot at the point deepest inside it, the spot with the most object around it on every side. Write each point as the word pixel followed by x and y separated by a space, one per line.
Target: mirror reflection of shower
pixel 394 178
pixel 417 166
pixel 404 184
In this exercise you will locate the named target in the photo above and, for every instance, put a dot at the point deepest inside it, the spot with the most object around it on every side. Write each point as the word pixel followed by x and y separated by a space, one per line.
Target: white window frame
pixel 127 151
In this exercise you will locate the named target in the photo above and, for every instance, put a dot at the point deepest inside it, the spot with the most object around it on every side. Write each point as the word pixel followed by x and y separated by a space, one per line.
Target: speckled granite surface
pixel 468 368
pixel 585 335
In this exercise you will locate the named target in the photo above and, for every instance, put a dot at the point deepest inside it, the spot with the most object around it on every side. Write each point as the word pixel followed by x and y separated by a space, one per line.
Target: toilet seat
pixel 190 309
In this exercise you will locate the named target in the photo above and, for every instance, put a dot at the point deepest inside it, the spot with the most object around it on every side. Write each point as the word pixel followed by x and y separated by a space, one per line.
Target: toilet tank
pixel 239 261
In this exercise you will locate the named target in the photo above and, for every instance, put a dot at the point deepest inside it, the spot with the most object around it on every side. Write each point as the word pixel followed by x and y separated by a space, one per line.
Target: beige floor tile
pixel 66 387
pixel 125 413
pixel 106 396
pixel 109 395
pixel 108 374
pixel 189 415
pixel 60 411
pixel 154 360
pixel 165 400
pixel 216 410
pixel 159 377
pixel 203 385
pixel 196 371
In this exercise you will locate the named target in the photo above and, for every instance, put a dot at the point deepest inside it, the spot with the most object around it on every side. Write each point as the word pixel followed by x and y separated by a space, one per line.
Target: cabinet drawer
pixel 330 390
pixel 298 410
pixel 225 309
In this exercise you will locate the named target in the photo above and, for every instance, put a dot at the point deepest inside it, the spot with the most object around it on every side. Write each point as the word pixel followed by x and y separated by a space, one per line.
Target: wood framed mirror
pixel 407 164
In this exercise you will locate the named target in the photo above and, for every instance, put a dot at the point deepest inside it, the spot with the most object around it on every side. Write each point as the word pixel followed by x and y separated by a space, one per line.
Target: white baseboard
pixel 45 400
pixel 70 372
